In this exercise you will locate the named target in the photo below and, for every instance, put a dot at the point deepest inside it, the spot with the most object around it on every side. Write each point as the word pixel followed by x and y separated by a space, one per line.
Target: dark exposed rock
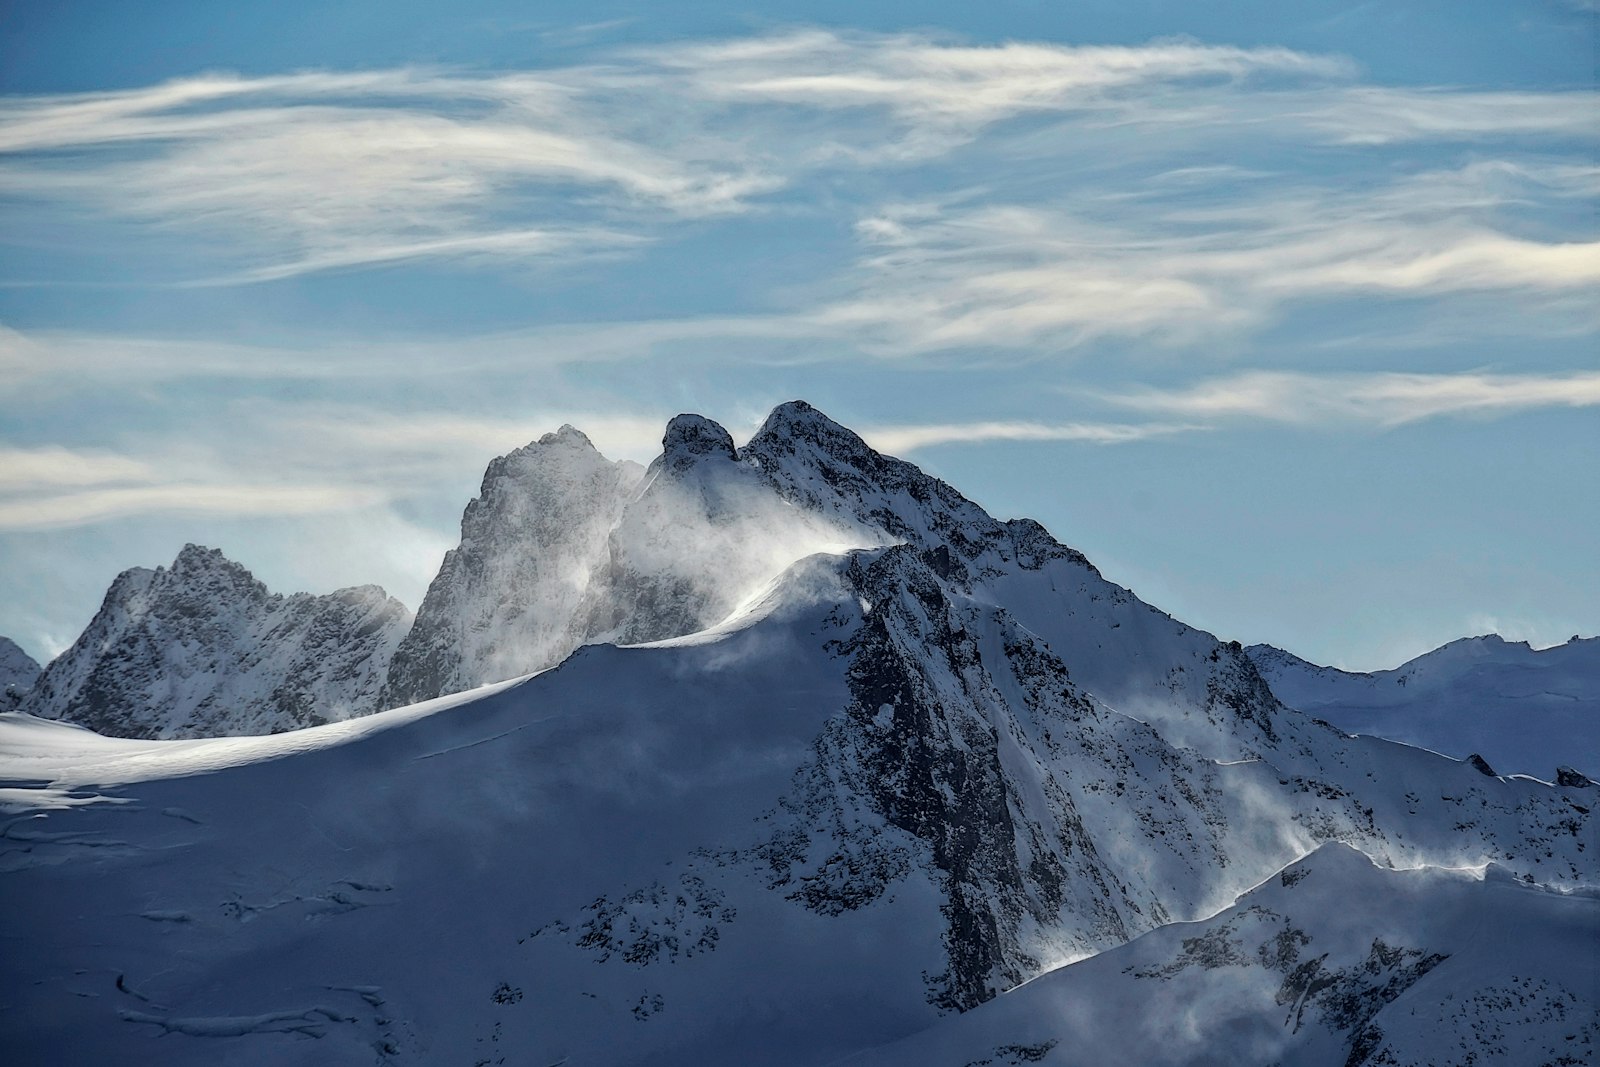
pixel 1568 778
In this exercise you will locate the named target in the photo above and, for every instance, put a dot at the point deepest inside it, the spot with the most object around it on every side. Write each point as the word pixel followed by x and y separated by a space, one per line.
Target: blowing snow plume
pixel 564 548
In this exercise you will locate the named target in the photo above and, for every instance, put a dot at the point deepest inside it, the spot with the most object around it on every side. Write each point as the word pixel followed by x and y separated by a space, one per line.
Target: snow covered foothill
pixel 1523 710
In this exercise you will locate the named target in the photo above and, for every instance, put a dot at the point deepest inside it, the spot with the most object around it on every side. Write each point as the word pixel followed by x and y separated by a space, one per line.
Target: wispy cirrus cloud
pixel 1384 399
pixel 52 487
pixel 936 276
pixel 54 466
pixel 900 439
pixel 90 506
pixel 931 86
pixel 292 174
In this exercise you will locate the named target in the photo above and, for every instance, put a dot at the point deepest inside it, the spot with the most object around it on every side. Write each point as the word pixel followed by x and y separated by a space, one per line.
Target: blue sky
pixel 1285 314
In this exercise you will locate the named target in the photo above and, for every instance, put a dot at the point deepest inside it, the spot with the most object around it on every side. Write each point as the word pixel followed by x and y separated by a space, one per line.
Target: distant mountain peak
pixel 202 648
pixel 795 422
pixel 199 563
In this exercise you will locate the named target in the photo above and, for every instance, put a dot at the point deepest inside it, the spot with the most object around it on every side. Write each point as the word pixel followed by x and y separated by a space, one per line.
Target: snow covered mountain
pixel 897 782
pixel 504 601
pixel 1523 710
pixel 201 648
pixel 18 672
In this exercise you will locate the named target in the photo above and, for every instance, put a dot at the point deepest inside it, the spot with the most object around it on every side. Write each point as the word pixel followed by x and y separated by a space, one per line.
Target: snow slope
pixel 202 648
pixel 1525 711
pixel 872 799
pixel 1435 965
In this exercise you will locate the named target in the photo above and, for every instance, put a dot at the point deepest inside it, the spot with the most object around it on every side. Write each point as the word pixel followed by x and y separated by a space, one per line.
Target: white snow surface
pixel 1524 710
pixel 1466 965
pixel 878 795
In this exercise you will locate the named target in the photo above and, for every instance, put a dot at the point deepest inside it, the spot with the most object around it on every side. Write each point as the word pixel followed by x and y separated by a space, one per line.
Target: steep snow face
pixel 505 601
pixel 872 799
pixel 1435 965
pixel 201 648
pixel 1521 710
pixel 18 672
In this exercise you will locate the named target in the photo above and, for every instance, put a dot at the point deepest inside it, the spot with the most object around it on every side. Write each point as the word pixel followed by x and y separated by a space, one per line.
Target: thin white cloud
pixel 902 439
pixel 99 505
pixel 288 174
pixel 65 360
pixel 1385 399
pixel 1377 115
pixel 928 82
pixel 517 244
pixel 52 467
pixel 933 277
pixel 271 458
pixel 303 172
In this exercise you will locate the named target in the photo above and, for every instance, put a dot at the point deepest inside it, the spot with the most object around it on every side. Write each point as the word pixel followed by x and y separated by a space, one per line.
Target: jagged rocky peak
pixel 505 601
pixel 520 484
pixel 199 563
pixel 797 422
pixel 201 648
pixel 817 464
pixel 703 533
pixel 691 437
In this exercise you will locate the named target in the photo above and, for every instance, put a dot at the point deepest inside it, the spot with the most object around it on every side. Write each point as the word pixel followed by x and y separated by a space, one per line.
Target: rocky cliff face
pixel 201 648
pixel 506 599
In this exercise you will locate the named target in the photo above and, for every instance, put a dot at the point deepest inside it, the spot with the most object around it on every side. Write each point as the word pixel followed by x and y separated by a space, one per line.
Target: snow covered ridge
pixel 934 793
pixel 1522 710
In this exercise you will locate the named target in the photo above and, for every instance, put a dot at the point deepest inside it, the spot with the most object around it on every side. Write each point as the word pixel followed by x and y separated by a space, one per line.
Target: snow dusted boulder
pixel 505 601
pixel 201 648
